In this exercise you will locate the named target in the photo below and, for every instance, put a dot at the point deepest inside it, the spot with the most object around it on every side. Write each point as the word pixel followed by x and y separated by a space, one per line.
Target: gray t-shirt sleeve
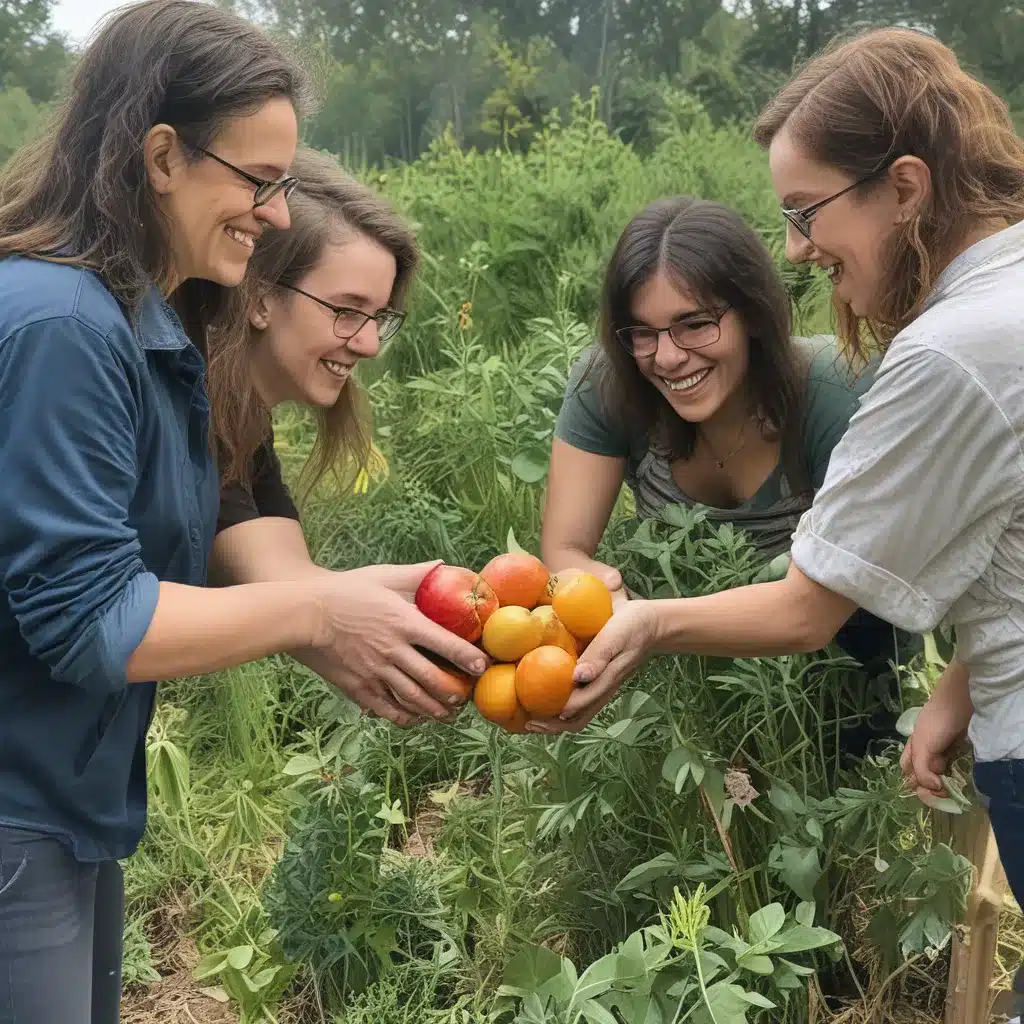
pixel 582 422
pixel 917 493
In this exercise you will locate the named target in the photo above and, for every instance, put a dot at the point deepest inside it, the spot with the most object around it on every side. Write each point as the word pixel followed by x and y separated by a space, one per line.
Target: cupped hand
pixel 365 644
pixel 625 642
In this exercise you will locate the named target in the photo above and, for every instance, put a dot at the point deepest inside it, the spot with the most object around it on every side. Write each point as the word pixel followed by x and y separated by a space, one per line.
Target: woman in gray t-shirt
pixel 699 394
pixel 902 177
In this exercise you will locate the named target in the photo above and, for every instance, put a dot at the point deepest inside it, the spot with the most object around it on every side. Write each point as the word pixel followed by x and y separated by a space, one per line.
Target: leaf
pixel 798 938
pixel 756 963
pixel 595 1013
pixel 805 914
pixel 240 957
pixel 210 965
pixel 643 874
pixel 393 815
pixel 443 797
pixel 530 465
pixel 756 999
pixel 905 723
pixel 302 764
pixel 765 923
pixel 600 976
pixel 800 870
pixel 783 796
pixel 512 546
pixel 531 967
pixel 216 993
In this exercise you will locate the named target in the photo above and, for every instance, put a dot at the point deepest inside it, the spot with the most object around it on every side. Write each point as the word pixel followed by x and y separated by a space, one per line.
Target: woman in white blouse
pixel 902 178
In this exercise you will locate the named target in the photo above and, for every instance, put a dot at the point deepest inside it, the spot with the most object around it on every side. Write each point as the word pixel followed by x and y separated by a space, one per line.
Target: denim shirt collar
pixel 159 328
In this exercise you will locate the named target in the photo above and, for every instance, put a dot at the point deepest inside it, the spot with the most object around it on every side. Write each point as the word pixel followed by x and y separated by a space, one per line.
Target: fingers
pixel 599 653
pixel 608 575
pixel 450 646
pixel 377 702
pixel 411 694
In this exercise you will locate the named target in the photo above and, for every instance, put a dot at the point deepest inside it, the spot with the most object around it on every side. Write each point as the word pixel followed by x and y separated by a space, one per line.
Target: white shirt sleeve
pixel 917 494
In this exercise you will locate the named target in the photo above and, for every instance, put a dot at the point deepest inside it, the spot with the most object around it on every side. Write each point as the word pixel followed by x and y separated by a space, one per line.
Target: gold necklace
pixel 720 462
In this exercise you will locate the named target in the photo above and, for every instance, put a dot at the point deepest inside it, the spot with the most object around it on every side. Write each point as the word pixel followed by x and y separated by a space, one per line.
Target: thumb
pixel 599 652
pixel 608 575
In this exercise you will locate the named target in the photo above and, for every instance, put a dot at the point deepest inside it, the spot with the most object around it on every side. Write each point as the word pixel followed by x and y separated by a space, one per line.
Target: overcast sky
pixel 77 17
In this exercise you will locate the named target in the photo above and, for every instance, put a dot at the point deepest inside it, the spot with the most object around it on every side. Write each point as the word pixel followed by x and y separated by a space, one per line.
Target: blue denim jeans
pixel 1001 785
pixel 61 925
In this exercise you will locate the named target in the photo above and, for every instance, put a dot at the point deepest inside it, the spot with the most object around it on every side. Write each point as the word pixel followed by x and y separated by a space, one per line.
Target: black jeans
pixel 61 928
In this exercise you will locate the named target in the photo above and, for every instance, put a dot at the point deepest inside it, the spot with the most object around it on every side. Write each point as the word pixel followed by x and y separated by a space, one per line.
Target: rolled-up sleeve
pixel 917 494
pixel 72 571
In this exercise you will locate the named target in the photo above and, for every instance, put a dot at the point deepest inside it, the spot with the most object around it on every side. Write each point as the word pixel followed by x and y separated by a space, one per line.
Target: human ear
pixel 163 157
pixel 259 313
pixel 912 179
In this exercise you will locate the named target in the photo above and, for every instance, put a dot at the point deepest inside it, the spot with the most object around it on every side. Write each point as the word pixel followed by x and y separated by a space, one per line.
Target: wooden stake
pixel 974 941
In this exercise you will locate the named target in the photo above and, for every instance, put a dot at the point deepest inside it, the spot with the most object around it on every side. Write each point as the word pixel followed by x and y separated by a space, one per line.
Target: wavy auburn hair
pixel 887 93
pixel 327 207
pixel 709 251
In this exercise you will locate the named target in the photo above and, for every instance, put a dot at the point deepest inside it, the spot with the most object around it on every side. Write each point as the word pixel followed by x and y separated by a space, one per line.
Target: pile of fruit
pixel 534 625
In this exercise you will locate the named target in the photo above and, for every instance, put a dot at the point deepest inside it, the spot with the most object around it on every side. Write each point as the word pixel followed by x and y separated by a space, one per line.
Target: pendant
pixel 720 463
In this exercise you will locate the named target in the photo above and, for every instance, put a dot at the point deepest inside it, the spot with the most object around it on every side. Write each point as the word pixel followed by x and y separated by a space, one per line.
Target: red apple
pixel 458 599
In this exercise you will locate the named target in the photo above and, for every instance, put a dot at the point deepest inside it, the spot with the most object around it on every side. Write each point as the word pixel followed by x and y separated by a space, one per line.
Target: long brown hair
pixel 708 250
pixel 328 206
pixel 79 193
pixel 888 93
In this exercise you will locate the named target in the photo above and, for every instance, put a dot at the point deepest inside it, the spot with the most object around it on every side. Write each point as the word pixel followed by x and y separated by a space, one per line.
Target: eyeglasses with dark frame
pixel 265 190
pixel 690 331
pixel 801 219
pixel 349 322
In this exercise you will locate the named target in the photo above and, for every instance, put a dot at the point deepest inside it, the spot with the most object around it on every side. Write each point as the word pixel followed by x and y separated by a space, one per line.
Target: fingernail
pixel 533 727
pixel 583 675
pixel 478 666
pixel 454 699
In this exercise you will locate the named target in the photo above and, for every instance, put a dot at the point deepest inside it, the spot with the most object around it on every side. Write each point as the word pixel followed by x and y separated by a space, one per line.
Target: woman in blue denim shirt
pixel 120 230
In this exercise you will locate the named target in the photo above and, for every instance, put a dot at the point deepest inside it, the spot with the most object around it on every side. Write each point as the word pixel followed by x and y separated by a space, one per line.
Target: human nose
pixel 365 343
pixel 799 247
pixel 275 213
pixel 668 355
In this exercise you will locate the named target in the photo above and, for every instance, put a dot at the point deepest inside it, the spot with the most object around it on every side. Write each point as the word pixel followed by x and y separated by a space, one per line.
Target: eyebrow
pixel 796 200
pixel 351 299
pixel 268 171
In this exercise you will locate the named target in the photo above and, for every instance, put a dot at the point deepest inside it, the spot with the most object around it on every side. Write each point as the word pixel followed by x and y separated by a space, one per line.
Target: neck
pixel 980 231
pixel 721 432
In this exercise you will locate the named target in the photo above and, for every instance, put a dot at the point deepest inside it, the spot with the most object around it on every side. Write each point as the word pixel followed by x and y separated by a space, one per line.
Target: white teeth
pixel 338 369
pixel 241 237
pixel 688 382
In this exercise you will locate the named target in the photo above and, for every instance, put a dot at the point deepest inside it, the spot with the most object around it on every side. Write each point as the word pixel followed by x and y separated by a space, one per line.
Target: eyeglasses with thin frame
pixel 801 219
pixel 265 190
pixel 349 322
pixel 690 331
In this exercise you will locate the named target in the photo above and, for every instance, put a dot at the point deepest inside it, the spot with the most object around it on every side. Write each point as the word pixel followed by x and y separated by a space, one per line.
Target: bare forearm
pixel 197 630
pixel 567 556
pixel 790 616
pixel 952 691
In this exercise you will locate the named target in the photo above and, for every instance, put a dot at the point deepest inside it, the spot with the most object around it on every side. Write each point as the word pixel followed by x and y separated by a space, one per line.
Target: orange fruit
pixel 555 632
pixel 584 604
pixel 517 578
pixel 511 632
pixel 544 680
pixel 555 580
pixel 495 694
pixel 517 723
pixel 452 681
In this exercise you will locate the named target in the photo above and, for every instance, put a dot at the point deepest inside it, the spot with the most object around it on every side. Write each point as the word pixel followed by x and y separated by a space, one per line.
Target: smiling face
pixel 698 384
pixel 850 236
pixel 208 207
pixel 297 355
